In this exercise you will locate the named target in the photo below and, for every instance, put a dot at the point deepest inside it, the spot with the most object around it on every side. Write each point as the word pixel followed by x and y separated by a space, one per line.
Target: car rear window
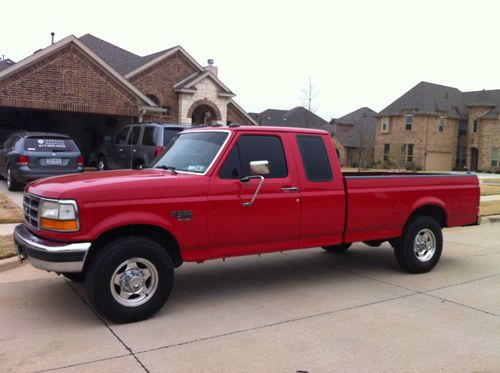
pixel 169 134
pixel 49 144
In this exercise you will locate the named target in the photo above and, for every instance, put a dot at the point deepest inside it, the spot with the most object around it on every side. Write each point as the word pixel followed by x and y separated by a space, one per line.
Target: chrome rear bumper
pixel 49 255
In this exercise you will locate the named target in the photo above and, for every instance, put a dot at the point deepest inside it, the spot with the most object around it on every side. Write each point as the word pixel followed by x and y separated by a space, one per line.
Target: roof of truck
pixel 234 128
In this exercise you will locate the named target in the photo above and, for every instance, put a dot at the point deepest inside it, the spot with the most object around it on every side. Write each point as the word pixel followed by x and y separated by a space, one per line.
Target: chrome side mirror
pixel 259 168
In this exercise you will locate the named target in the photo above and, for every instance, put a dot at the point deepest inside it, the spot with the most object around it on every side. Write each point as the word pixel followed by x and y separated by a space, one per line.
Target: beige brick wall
pixel 489 137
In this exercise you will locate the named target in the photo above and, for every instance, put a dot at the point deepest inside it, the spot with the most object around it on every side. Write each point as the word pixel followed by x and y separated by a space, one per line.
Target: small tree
pixel 366 140
pixel 308 97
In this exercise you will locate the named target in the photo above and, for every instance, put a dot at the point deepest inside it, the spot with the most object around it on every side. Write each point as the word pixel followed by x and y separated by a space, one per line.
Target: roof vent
pixel 213 69
pixel 52 34
pixel 210 61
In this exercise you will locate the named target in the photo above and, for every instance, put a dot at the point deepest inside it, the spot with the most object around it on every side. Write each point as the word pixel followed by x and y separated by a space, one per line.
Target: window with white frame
pixel 494 157
pixel 441 121
pixel 406 153
pixel 408 121
pixel 385 125
pixel 387 150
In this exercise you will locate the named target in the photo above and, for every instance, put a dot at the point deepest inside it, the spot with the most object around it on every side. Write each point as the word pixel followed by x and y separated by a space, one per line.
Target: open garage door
pixel 438 161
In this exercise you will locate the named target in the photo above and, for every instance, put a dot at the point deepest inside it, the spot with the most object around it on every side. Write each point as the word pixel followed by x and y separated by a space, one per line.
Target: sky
pixel 356 53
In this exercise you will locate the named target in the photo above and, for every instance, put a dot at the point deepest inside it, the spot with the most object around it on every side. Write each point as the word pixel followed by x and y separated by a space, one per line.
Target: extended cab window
pixel 255 148
pixel 314 158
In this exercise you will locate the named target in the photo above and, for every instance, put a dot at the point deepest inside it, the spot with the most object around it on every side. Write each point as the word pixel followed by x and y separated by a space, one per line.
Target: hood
pixel 113 185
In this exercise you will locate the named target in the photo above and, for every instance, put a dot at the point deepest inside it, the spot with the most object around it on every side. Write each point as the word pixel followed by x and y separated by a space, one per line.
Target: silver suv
pixel 136 145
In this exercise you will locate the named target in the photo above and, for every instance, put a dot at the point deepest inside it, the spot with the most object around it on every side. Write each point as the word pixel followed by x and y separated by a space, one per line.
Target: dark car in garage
pixel 136 145
pixel 27 156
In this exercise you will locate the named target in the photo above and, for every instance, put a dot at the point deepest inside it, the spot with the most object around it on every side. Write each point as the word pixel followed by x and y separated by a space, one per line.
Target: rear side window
pixel 169 134
pixel 134 138
pixel 255 148
pixel 314 158
pixel 121 139
pixel 150 136
pixel 49 144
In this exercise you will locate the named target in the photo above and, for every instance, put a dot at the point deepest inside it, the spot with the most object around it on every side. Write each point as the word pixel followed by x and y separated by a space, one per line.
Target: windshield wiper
pixel 169 168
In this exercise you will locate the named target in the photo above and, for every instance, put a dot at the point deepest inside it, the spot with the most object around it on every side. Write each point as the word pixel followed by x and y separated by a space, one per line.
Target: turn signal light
pixel 60 225
pixel 159 149
pixel 22 160
pixel 80 161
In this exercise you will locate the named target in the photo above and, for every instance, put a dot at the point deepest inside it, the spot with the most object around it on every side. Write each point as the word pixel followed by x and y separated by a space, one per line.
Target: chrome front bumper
pixel 49 255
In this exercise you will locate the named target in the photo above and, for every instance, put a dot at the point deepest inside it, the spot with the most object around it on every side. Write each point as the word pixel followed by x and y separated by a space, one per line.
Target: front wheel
pixel 130 279
pixel 337 248
pixel 419 248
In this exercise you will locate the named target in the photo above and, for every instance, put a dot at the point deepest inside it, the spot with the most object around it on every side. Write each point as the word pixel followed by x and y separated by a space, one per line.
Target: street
pixel 295 311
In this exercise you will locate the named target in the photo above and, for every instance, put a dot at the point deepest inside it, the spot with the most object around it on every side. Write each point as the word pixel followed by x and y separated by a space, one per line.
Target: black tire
pixel 101 163
pixel 337 248
pixel 12 184
pixel 107 266
pixel 419 248
pixel 75 277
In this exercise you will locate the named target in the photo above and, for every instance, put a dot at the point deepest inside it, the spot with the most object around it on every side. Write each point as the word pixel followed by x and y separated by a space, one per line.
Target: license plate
pixel 54 161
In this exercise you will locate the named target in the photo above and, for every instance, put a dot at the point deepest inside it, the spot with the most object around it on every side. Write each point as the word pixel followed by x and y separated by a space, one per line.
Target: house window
pixel 387 149
pixel 385 124
pixel 474 126
pixel 441 121
pixel 462 128
pixel 494 157
pixel 409 121
pixel 461 157
pixel 407 153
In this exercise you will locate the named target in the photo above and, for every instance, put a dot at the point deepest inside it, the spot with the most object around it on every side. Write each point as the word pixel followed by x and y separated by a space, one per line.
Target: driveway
pixel 295 311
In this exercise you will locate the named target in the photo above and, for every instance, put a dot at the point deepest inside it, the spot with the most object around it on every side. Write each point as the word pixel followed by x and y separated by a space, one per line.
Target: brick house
pixel 356 132
pixel 88 88
pixel 436 127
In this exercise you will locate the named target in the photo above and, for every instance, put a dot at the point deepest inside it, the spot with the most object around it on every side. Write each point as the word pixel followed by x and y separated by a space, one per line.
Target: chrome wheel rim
pixel 424 245
pixel 134 282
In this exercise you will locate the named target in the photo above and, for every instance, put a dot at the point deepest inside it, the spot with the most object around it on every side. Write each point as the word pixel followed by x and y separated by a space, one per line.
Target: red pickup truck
pixel 229 191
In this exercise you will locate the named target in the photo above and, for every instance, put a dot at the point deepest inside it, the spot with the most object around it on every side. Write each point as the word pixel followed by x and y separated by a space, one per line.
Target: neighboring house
pixel 441 128
pixel 356 132
pixel 88 88
pixel 6 62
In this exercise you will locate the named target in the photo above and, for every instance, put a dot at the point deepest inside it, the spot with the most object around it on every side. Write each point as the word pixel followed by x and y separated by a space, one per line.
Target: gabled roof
pixel 189 84
pixel 355 116
pixel 83 48
pixel 296 117
pixel 6 63
pixel 245 114
pixel 363 123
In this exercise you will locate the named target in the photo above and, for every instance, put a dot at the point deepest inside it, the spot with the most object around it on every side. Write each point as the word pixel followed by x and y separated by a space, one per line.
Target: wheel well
pixel 159 235
pixel 433 211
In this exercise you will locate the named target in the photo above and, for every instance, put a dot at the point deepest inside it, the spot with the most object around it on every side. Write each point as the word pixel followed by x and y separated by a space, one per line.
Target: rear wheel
pixel 419 248
pixel 130 279
pixel 337 248
pixel 101 164
pixel 12 184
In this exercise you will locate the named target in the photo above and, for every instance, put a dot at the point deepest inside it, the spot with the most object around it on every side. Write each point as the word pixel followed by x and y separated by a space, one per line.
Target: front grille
pixel 30 207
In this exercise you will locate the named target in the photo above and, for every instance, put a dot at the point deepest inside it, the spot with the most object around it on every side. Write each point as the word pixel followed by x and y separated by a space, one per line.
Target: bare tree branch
pixel 309 95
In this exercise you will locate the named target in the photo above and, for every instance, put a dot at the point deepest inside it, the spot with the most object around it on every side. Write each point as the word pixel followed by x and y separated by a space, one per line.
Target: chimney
pixel 52 37
pixel 213 69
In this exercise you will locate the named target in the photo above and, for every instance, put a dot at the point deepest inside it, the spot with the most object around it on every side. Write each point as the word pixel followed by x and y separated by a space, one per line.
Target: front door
pixel 272 222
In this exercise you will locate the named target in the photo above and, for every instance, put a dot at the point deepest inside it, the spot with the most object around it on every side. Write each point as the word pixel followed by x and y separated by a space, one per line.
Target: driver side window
pixel 255 148
pixel 121 139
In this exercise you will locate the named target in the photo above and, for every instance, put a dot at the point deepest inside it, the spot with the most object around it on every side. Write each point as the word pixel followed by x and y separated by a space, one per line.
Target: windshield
pixel 192 151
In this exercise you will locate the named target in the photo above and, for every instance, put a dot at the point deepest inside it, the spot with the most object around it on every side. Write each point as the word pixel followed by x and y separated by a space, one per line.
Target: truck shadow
pixel 295 271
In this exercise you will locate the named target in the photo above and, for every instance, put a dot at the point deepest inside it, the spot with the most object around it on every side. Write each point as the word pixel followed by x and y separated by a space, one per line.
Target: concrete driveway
pixel 297 311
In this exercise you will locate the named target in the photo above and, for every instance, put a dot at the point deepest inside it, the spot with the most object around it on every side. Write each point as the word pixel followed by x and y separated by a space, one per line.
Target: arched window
pixel 154 99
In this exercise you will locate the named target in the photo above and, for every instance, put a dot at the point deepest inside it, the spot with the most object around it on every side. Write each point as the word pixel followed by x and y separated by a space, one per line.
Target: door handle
pixel 120 149
pixel 134 150
pixel 289 189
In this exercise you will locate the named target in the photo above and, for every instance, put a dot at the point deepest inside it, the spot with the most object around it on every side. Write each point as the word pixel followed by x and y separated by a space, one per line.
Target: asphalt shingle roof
pixel 363 123
pixel 296 117
pixel 429 98
pixel 6 63
pixel 119 59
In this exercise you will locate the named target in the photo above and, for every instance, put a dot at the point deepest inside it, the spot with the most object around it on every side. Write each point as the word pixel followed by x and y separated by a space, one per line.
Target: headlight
pixel 58 216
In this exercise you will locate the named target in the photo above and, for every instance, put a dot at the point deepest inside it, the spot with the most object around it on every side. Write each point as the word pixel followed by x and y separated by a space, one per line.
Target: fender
pixel 427 201
pixel 136 217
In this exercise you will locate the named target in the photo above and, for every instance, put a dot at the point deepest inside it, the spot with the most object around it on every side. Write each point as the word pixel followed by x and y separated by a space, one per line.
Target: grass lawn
pixel 9 211
pixel 489 208
pixel 489 190
pixel 491 181
pixel 7 247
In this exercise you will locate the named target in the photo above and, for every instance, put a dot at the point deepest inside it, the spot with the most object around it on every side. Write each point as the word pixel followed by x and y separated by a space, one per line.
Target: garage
pixel 436 161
